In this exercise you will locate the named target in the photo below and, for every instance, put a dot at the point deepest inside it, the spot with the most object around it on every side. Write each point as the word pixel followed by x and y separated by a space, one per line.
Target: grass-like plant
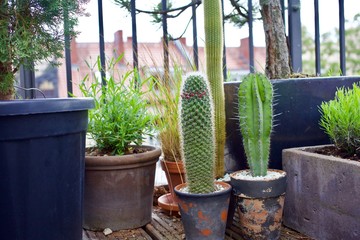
pixel 340 119
pixel 164 100
pixel 120 117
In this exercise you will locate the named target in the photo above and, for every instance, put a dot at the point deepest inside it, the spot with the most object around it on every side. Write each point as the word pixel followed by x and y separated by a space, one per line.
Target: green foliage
pixel 197 133
pixel 121 115
pixel 256 120
pixel 340 119
pixel 33 30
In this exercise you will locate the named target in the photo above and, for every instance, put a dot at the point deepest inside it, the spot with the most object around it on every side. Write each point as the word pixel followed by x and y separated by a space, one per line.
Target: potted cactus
pixel 323 180
pixel 203 202
pixel 260 191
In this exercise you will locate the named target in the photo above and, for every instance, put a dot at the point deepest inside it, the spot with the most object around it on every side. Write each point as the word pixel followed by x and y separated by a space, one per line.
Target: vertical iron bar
pixel 134 41
pixel 317 39
pixel 282 3
pixel 101 41
pixel 195 45
pixel 165 40
pixel 251 38
pixel 342 37
pixel 67 53
pixel 27 80
pixel 295 35
pixel 224 46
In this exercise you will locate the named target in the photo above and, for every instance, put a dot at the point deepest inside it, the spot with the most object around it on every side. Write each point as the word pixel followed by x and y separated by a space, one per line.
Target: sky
pixel 116 19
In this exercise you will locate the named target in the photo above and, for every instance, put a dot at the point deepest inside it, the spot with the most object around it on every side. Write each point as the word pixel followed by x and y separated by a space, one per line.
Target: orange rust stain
pixel 202 216
pixel 184 206
pixel 206 232
pixel 224 215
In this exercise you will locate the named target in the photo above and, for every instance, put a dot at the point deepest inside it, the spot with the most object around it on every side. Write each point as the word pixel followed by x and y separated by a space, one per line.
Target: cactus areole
pixel 256 120
pixel 197 133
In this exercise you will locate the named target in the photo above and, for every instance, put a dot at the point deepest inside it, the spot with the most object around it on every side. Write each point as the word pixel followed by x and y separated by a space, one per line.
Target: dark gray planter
pixel 322 194
pixel 42 148
pixel 296 117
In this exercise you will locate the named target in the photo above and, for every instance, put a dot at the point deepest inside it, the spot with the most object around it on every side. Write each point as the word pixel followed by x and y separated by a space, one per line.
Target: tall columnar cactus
pixel 256 117
pixel 197 133
pixel 214 69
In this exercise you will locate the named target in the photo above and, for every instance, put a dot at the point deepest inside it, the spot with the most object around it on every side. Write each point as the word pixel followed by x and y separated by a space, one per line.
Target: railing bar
pixel 101 42
pixel 195 46
pixel 251 38
pixel 317 38
pixel 342 37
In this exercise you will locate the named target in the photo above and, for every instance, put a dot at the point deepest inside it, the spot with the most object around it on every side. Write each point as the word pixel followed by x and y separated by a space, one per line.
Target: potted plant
pixel 119 170
pixel 323 180
pixel 165 101
pixel 203 202
pixel 42 155
pixel 260 191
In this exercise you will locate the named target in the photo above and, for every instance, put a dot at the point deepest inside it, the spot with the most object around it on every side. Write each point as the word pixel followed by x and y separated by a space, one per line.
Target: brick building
pixel 150 56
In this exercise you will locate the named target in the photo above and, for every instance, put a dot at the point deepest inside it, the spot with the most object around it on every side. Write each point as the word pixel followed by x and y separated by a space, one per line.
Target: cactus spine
pixel 197 133
pixel 214 69
pixel 255 116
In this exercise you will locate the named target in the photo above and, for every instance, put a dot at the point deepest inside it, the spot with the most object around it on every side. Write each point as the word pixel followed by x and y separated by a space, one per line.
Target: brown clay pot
pixel 175 175
pixel 204 216
pixel 260 206
pixel 118 192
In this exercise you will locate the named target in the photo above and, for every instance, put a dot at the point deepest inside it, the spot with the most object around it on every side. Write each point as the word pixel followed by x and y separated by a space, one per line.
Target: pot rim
pixel 227 188
pixel 124 161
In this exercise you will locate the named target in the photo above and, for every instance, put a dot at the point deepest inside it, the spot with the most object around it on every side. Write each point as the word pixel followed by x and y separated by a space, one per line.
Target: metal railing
pixel 293 20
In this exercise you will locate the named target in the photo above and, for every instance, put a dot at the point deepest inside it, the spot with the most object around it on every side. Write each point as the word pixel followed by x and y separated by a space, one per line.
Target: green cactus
pixel 197 133
pixel 213 24
pixel 256 120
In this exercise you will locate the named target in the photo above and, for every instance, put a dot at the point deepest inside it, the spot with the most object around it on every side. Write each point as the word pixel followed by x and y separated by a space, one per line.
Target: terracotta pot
pixel 260 205
pixel 119 190
pixel 175 175
pixel 204 215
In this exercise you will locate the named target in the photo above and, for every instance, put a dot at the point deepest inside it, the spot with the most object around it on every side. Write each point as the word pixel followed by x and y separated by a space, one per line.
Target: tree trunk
pixel 6 81
pixel 277 52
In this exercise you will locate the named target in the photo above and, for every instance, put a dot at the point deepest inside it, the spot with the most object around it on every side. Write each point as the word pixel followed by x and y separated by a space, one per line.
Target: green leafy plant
pixel 121 116
pixel 32 31
pixel 340 119
pixel 197 133
pixel 256 120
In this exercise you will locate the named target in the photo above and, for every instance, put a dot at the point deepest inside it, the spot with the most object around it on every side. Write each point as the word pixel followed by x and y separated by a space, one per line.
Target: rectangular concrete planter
pixel 322 194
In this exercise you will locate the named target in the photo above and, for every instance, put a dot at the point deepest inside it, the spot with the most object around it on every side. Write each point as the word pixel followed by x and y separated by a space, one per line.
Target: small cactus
pixel 256 120
pixel 197 133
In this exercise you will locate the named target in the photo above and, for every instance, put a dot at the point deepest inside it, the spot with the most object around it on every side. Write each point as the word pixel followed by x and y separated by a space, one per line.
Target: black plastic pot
pixel 42 147
pixel 296 117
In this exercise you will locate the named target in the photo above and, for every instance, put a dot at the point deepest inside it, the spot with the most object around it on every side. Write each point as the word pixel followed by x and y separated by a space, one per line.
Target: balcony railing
pixel 291 15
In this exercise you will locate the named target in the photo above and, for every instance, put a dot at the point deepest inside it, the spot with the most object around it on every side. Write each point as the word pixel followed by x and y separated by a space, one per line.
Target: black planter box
pixel 42 147
pixel 296 117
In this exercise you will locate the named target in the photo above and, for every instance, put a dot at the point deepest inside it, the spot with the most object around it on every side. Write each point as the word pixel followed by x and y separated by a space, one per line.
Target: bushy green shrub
pixel 121 116
pixel 340 119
